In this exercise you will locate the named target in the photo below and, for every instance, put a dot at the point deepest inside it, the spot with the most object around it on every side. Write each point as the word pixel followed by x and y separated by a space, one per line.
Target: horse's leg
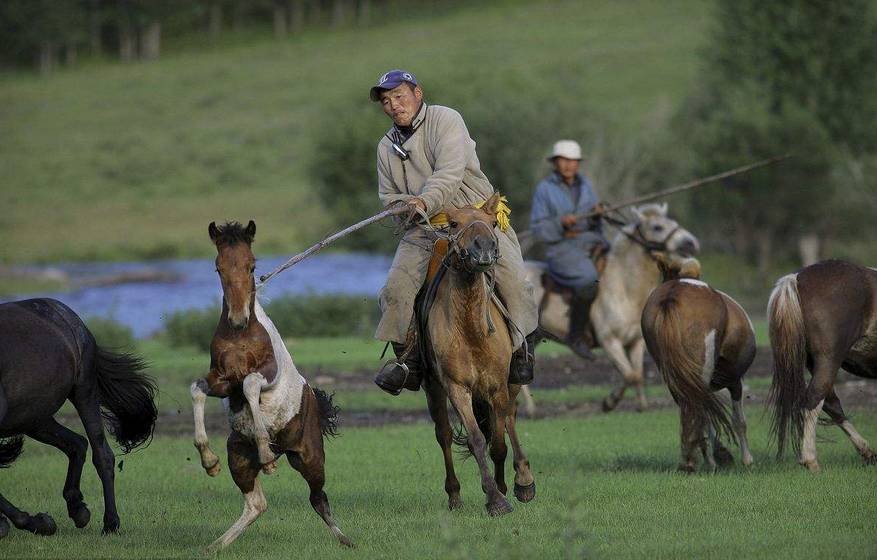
pixel 833 407
pixel 310 463
pixel 691 435
pixel 497 504
pixel 615 350
pixel 75 447
pixel 529 403
pixel 738 421
pixel 253 385
pixel 636 353
pixel 209 460
pixel 525 485
pixel 243 463
pixel 824 373
pixel 39 524
pixel 84 398
pixel 498 448
pixel 437 401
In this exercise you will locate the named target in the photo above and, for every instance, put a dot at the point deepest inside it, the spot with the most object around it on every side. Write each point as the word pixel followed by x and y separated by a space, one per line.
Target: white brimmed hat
pixel 568 149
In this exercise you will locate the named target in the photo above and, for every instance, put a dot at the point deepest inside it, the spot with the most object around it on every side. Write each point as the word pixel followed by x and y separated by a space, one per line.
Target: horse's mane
pixel 231 233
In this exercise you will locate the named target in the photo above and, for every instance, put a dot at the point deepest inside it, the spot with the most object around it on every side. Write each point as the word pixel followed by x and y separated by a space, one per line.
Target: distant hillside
pixel 131 161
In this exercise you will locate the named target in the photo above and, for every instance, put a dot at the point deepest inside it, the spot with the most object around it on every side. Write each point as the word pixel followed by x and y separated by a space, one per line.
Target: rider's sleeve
pixel 387 189
pixel 544 223
pixel 449 149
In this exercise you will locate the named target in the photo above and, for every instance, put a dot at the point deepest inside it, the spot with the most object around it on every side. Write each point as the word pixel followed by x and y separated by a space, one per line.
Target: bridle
pixel 651 247
pixel 455 248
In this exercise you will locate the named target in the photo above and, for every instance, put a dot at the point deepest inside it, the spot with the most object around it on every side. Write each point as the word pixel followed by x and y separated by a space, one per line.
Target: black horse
pixel 48 355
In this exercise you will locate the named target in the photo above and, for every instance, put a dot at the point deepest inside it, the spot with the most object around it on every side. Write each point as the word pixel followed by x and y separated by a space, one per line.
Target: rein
pixel 651 247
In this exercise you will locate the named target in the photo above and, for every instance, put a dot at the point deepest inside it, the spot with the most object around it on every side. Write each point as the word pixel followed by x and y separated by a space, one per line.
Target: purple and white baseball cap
pixel 390 80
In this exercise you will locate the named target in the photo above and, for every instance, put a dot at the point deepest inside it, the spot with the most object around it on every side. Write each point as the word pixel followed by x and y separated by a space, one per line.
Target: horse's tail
pixel 684 373
pixel 126 396
pixel 10 449
pixel 483 412
pixel 328 412
pixel 789 346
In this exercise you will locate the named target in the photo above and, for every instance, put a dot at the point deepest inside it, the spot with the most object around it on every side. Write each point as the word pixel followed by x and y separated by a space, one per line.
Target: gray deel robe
pixel 568 259
pixel 443 170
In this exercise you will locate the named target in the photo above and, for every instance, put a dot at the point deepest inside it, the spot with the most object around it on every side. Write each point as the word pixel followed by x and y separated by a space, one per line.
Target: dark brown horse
pixel 271 408
pixel 702 341
pixel 469 350
pixel 47 356
pixel 824 317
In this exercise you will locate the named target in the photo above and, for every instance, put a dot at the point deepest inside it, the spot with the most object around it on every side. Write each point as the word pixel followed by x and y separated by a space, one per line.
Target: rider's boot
pixel 579 310
pixel 403 373
pixel 523 361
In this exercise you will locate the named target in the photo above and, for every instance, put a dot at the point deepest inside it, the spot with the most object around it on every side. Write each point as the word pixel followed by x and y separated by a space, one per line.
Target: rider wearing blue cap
pixel 427 160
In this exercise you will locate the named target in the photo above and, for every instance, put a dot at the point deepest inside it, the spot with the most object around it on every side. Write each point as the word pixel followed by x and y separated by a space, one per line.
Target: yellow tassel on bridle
pixel 502 215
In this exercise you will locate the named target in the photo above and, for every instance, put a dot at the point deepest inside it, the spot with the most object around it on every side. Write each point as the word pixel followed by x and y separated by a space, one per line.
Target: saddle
pixel 598 257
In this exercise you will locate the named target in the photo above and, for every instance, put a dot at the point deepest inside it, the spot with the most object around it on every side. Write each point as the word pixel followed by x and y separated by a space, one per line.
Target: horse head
pixel 473 236
pixel 673 267
pixel 235 264
pixel 661 233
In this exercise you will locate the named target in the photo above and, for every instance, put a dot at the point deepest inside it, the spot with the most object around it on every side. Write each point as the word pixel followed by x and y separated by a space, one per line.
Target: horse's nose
pixel 484 250
pixel 689 246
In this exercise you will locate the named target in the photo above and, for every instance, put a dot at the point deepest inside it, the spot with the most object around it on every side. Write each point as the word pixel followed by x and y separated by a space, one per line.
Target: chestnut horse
pixel 702 341
pixel 47 356
pixel 468 351
pixel 271 409
pixel 824 317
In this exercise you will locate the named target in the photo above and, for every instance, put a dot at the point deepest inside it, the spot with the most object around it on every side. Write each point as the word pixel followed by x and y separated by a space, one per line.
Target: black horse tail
pixel 786 329
pixel 483 415
pixel 10 449
pixel 328 413
pixel 127 397
pixel 683 373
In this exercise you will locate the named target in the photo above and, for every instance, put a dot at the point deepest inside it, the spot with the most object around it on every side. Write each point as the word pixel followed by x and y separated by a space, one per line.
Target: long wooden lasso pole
pixel 394 211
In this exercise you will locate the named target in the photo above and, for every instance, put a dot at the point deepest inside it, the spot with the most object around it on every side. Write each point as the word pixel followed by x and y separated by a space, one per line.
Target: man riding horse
pixel 427 160
pixel 569 240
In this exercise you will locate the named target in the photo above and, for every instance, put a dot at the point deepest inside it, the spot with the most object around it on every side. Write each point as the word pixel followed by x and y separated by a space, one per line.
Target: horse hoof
pixel 455 503
pixel 4 528
pixel 812 466
pixel 723 457
pixel 269 468
pixel 42 524
pixel 869 457
pixel 686 468
pixel 111 526
pixel 609 404
pixel 344 541
pixel 213 469
pixel 525 494
pixel 80 516
pixel 499 507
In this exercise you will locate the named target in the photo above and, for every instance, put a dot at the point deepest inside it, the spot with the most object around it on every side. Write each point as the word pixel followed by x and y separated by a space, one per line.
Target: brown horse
pixel 468 354
pixel 271 408
pixel 823 317
pixel 702 341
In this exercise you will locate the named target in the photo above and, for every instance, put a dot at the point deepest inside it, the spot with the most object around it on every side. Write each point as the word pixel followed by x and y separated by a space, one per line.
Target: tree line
pixel 48 34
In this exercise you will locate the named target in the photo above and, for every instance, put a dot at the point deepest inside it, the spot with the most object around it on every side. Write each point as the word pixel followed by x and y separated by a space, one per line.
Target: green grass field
pixel 606 489
pixel 126 162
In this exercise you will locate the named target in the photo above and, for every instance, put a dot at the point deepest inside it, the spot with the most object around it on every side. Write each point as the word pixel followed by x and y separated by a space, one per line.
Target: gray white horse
pixel 629 277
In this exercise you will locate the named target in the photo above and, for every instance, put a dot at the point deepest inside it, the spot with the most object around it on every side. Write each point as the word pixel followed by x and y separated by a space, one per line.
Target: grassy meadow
pixel 116 161
pixel 606 488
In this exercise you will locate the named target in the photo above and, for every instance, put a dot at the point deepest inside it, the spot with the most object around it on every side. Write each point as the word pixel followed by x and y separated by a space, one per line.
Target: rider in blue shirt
pixel 559 198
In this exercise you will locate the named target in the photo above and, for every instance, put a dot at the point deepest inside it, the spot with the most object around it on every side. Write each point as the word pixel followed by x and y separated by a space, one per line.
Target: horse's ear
pixel 251 229
pixel 213 231
pixel 662 208
pixel 492 204
pixel 636 212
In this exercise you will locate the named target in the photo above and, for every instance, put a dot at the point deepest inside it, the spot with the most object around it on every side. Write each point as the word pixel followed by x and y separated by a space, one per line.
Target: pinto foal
pixel 702 341
pixel 271 409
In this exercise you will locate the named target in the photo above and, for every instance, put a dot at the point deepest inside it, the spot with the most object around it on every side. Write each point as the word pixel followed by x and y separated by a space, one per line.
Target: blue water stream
pixel 144 305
